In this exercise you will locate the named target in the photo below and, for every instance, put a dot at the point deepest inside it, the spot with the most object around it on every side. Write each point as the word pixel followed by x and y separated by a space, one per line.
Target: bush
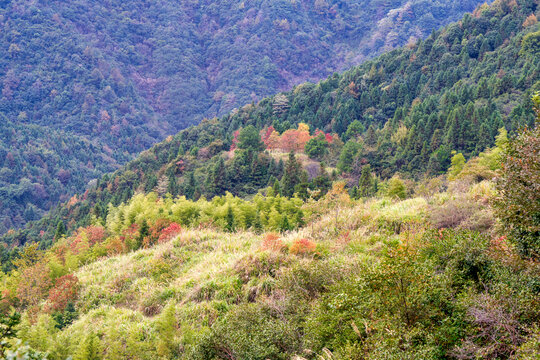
pixel 302 247
pixel 249 332
pixel 518 204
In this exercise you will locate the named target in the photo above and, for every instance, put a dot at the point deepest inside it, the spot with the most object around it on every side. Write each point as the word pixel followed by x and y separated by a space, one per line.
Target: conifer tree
pixel 291 176
pixel 276 187
pixel 301 189
pixel 172 187
pixel 365 183
pixel 216 181
pixel 60 230
pixel 189 186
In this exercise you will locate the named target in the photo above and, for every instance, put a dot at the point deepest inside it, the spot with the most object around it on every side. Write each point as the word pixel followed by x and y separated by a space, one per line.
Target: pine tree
pixel 60 230
pixel 276 187
pixel 365 185
pixel 291 176
pixel 216 181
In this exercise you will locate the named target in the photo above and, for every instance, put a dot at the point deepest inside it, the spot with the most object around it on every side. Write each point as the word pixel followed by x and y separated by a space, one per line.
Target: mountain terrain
pixel 406 111
pixel 113 78
pixel 109 79
pixel 388 212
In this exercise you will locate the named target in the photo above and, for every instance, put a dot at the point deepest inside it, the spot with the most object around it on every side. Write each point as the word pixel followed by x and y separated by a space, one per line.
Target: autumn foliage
pixel 169 232
pixel 291 139
pixel 272 241
pixel 65 290
pixel 302 247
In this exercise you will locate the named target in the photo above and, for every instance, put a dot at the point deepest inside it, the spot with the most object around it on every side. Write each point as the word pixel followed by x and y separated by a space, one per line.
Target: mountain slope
pixel 124 75
pixel 371 279
pixel 405 111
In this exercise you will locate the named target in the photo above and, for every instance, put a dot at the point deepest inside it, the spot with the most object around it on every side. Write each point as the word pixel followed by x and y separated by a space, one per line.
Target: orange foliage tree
pixel 34 284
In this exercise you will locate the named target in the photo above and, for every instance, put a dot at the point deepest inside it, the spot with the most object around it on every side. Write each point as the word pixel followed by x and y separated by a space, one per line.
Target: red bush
pixel 302 246
pixel 169 232
pixel 271 241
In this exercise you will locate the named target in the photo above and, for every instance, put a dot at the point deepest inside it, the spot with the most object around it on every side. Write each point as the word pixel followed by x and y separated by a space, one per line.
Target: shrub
pixel 169 232
pixel 396 188
pixel 249 332
pixel 302 247
pixel 452 213
pixel 272 241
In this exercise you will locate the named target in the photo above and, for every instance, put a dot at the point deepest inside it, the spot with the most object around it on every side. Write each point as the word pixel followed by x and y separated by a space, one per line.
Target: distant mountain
pixel 404 112
pixel 87 84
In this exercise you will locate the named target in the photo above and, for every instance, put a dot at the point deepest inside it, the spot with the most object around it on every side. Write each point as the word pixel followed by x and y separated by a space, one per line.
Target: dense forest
pixel 408 111
pixel 115 77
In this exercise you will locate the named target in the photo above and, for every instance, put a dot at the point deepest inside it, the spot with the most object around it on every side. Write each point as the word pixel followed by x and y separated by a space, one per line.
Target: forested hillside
pixel 441 269
pixel 115 77
pixel 409 111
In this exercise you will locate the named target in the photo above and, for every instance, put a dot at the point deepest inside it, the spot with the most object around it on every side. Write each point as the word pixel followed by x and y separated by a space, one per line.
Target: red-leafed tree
pixel 265 134
pixel 64 291
pixel 95 234
pixel 154 232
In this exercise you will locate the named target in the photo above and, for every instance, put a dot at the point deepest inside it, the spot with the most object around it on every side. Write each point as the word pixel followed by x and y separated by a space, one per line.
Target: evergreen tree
pixel 249 139
pixel 276 187
pixel 316 147
pixel 347 156
pixel 189 186
pixel 172 187
pixel 216 181
pixel 291 176
pixel 322 182
pixel 301 188
pixel 365 183
pixel 60 230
